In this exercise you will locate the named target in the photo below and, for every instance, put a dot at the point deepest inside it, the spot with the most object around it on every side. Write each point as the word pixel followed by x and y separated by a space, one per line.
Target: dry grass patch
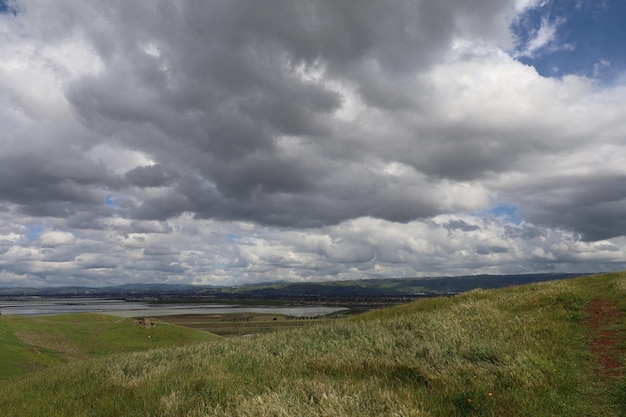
pixel 49 340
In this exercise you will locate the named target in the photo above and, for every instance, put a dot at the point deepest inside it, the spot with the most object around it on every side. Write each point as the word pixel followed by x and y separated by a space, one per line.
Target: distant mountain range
pixel 367 288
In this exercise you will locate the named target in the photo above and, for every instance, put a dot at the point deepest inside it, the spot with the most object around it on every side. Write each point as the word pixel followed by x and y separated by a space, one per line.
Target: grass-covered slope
pixel 385 287
pixel 29 343
pixel 524 351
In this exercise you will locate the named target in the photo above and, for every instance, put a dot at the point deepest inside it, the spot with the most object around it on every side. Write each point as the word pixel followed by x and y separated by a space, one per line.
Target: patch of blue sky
pixel 33 232
pixel 7 6
pixel 505 213
pixel 110 202
pixel 587 38
pixel 233 236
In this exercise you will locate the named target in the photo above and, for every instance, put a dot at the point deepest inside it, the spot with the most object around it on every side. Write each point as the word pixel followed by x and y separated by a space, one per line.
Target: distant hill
pixel 392 287
pixel 117 290
pixel 370 288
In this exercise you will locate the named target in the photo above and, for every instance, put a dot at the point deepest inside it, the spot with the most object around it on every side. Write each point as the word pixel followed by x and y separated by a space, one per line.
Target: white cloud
pixel 117 158
pixel 56 238
pixel 544 39
pixel 522 6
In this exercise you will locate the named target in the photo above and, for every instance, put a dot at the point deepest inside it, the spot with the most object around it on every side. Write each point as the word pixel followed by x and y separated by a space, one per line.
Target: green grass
pixel 29 343
pixel 519 351
pixel 238 324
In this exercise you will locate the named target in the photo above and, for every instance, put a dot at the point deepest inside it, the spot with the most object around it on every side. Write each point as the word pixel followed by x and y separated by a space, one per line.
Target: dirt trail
pixel 605 341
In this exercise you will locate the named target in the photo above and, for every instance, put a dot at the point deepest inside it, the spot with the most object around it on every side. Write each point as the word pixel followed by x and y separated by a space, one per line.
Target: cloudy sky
pixel 231 141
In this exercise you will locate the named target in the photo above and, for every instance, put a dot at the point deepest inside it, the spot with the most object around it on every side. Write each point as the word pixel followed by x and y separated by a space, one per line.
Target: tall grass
pixel 513 352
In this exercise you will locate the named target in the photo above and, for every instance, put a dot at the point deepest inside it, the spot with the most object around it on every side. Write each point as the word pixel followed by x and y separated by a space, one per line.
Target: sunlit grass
pixel 513 352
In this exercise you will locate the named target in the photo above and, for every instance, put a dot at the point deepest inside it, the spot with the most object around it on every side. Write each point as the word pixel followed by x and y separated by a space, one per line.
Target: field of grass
pixel 29 343
pixel 240 324
pixel 521 351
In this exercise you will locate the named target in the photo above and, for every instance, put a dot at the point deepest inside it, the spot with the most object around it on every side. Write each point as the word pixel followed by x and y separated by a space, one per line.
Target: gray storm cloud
pixel 253 93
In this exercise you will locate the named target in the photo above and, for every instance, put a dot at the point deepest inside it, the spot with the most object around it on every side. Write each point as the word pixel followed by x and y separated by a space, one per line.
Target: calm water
pixel 46 306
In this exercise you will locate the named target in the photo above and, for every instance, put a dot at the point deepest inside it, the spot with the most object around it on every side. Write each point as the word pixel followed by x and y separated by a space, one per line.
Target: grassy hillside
pixel 29 343
pixel 549 349
pixel 393 287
